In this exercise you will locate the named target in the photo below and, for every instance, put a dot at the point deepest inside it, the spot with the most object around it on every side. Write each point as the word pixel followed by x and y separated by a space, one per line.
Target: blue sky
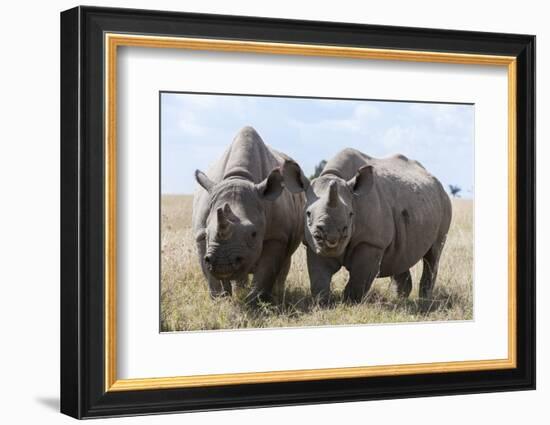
pixel 197 128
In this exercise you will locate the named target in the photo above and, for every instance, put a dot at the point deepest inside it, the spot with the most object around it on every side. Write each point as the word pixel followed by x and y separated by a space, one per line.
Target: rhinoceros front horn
pixel 225 220
pixel 223 224
pixel 332 194
pixel 228 213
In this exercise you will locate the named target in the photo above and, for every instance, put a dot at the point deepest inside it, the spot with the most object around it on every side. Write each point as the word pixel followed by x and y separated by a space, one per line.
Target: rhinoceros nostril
pixel 207 259
pixel 237 262
pixel 318 233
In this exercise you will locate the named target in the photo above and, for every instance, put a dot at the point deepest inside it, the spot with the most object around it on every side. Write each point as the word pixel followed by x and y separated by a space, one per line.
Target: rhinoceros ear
pixel 203 180
pixel 271 187
pixel 294 178
pixel 362 182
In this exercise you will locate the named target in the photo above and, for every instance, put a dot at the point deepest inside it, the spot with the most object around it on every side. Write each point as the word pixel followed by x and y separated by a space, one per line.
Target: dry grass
pixel 186 305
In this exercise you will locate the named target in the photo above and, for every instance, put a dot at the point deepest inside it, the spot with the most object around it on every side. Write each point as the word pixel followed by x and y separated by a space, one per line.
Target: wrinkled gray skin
pixel 375 217
pixel 244 221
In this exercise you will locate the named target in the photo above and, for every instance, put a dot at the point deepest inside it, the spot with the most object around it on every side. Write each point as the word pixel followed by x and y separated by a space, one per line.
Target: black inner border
pixel 161 92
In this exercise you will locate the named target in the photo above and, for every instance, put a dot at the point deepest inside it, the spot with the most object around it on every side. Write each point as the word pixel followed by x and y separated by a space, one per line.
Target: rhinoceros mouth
pixel 328 249
pixel 331 244
pixel 222 275
pixel 227 271
pixel 328 252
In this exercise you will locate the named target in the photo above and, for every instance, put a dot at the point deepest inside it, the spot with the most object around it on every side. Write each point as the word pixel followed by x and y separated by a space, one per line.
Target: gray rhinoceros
pixel 244 221
pixel 375 217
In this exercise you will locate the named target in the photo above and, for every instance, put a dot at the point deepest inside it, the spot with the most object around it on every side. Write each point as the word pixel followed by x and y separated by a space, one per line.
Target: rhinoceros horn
pixel 229 214
pixel 226 218
pixel 332 194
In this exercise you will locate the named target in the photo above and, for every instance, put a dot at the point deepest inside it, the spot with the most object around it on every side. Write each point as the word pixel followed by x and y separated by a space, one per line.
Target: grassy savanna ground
pixel 186 305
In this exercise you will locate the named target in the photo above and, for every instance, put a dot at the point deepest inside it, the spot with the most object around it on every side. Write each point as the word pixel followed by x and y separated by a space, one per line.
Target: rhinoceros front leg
pixel 274 255
pixel 363 265
pixel 320 270
pixel 402 283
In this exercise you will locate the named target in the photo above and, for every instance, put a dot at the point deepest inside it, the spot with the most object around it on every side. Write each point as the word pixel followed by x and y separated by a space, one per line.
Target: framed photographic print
pixel 261 212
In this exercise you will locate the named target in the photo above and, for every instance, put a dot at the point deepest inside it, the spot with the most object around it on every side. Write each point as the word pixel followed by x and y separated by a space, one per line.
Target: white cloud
pixel 445 118
pixel 188 123
pixel 396 138
pixel 357 122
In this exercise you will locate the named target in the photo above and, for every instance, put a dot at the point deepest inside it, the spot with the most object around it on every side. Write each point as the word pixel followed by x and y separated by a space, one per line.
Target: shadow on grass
pixel 292 303
pixel 442 301
pixel 296 302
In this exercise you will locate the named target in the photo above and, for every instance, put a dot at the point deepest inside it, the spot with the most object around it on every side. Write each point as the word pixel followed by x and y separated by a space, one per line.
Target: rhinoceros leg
pixel 279 287
pixel 402 283
pixel 363 266
pixel 429 270
pixel 267 270
pixel 320 270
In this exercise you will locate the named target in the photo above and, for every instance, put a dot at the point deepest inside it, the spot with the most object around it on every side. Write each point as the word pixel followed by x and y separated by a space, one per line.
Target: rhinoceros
pixel 244 221
pixel 375 217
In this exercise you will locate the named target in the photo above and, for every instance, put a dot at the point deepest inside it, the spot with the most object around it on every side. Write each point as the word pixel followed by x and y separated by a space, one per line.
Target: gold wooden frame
pixel 113 41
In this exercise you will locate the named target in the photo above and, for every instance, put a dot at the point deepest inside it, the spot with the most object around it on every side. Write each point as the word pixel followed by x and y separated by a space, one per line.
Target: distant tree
pixel 318 169
pixel 455 190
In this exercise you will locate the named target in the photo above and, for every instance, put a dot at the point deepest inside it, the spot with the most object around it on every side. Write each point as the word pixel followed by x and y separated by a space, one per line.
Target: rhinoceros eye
pixel 252 239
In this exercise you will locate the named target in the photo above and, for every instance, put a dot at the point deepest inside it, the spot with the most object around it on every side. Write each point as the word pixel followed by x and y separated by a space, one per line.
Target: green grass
pixel 186 305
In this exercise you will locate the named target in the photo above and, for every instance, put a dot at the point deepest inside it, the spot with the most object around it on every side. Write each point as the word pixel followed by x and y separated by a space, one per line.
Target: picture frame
pixel 90 39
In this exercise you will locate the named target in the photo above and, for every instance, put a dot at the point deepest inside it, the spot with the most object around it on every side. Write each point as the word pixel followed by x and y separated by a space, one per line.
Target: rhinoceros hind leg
pixel 429 270
pixel 402 283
